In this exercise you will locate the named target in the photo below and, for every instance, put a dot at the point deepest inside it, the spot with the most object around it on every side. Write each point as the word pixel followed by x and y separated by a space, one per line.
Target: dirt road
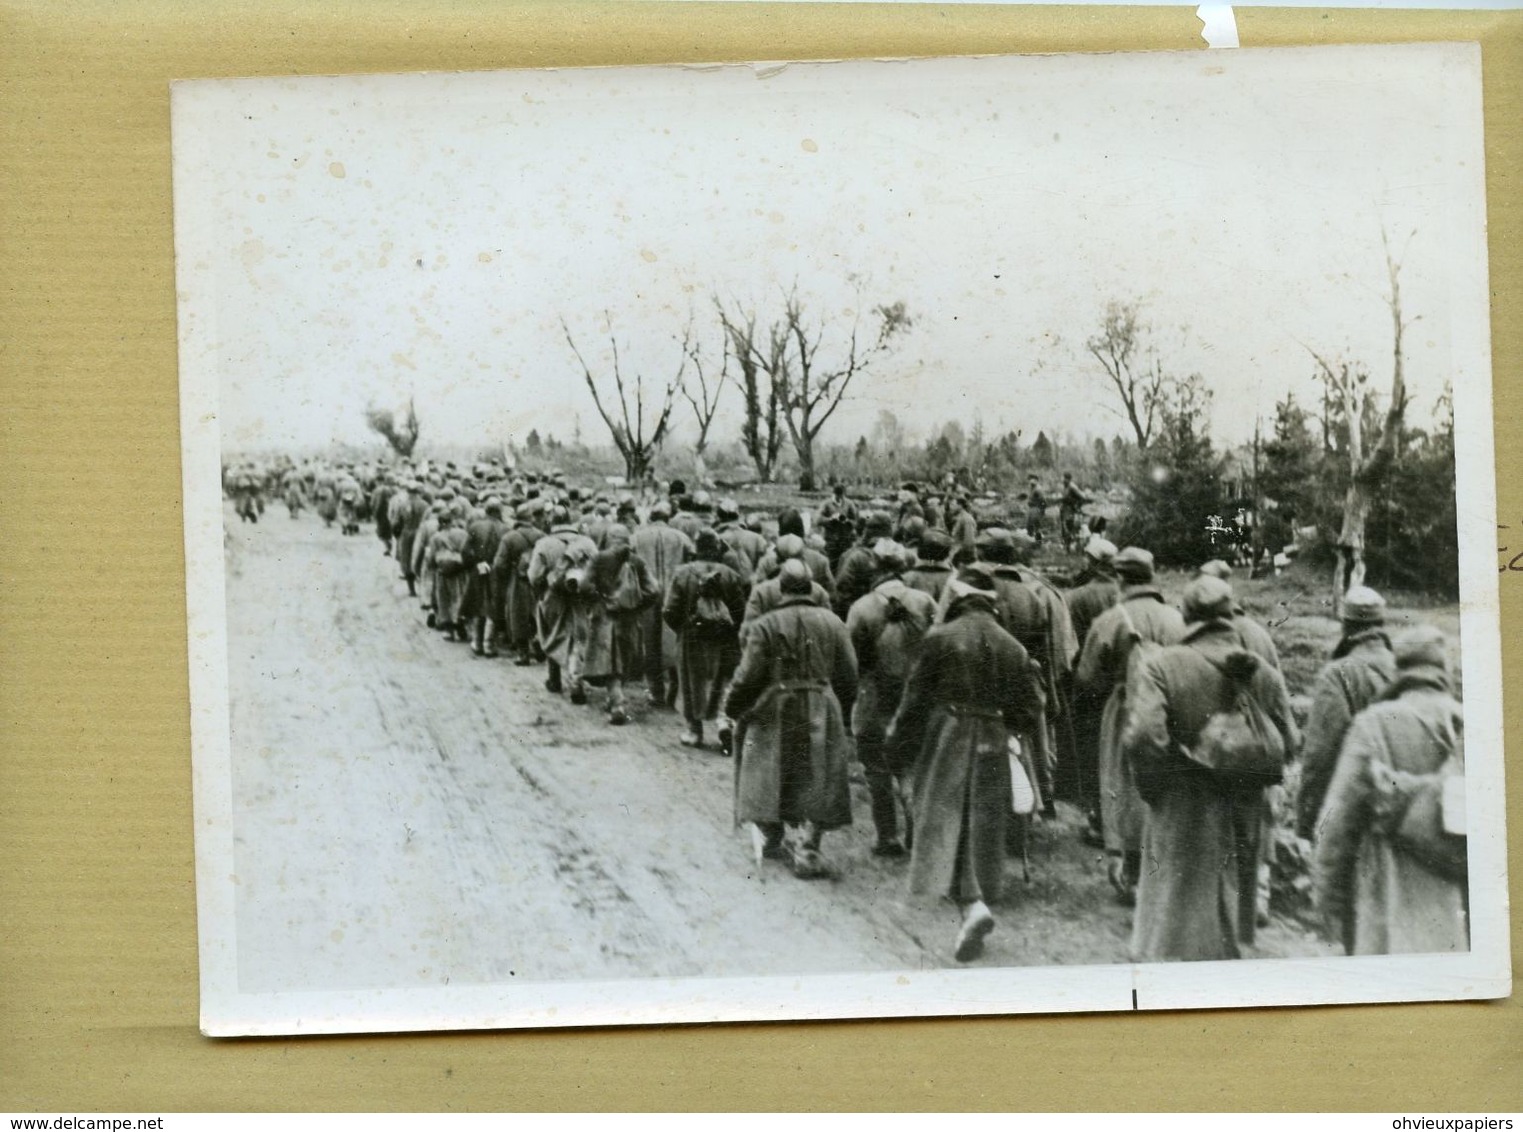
pixel 407 814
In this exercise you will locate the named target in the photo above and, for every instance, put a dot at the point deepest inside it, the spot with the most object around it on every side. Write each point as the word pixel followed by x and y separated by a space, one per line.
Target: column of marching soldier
pixel 909 637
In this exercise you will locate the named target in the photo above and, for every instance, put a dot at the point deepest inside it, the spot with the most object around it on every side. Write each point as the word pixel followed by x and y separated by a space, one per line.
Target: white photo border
pixel 1481 973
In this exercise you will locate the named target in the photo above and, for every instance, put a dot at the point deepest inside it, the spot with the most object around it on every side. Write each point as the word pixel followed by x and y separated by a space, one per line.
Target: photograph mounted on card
pixel 840 540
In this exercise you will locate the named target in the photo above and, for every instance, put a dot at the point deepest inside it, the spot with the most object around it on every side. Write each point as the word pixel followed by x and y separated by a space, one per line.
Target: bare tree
pixel 813 392
pixel 636 438
pixel 706 402
pixel 401 434
pixel 1348 391
pixel 805 389
pixel 761 429
pixel 1134 369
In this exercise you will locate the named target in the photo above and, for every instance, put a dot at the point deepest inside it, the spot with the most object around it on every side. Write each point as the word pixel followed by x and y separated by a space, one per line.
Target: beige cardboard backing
pixel 97 902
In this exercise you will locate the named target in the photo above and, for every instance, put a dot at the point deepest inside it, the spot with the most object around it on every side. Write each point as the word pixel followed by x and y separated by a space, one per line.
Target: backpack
pixel 566 575
pixel 448 560
pixel 1240 744
pixel 625 594
pixel 1424 814
pixel 894 646
pixel 710 610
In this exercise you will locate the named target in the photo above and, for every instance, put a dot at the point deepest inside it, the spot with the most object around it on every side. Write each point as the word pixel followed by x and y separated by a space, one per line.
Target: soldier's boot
pixel 617 715
pixel 412 587
pixel 553 680
pixel 478 628
pixel 488 638
pixel 773 847
pixel 885 810
pixel 977 923
pixel 808 864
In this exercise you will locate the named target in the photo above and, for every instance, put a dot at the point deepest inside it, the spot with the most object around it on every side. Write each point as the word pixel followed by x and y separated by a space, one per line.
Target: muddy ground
pixel 407 814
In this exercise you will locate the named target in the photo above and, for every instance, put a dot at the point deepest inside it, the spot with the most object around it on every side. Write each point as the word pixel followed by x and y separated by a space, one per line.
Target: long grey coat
pixel 1374 896
pixel 971 688
pixel 610 624
pixel 706 659
pixel 555 612
pixel 880 654
pixel 1344 688
pixel 1198 884
pixel 1102 672
pixel 795 675
pixel 663 548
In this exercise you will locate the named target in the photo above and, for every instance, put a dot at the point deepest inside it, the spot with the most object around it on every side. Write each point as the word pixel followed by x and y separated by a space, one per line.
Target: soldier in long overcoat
pixel 767 592
pixel 1057 663
pixel 380 499
pixel 1026 615
pixel 795 683
pixel 708 646
pixel 747 546
pixel 662 548
pixel 553 613
pixel 1200 844
pixel 514 593
pixel 483 536
pixel 791 522
pixel 1099 590
pixel 407 508
pixel 451 581
pixel 1375 897
pixel 886 626
pixel 325 498
pixel 1256 639
pixel 1079 779
pixel 1140 617
pixel 609 616
pixel 856 571
pixel 1361 669
pixel 422 563
pixel 971 689
pixel 294 499
pixel 351 501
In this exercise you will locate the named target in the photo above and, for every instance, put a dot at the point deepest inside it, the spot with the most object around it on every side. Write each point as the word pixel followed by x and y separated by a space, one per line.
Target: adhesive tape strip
pixel 1219 25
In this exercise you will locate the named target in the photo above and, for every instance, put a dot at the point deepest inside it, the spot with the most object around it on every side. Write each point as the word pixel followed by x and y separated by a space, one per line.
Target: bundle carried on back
pixel 711 611
pixel 1424 814
pixel 1240 743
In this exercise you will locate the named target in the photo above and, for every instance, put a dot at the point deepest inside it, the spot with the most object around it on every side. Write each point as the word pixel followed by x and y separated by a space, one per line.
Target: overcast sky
pixel 354 240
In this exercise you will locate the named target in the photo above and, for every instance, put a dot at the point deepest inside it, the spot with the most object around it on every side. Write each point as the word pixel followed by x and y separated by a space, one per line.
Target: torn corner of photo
pixel 479 465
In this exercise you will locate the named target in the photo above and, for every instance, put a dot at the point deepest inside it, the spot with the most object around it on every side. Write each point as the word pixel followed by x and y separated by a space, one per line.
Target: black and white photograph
pixel 840 539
